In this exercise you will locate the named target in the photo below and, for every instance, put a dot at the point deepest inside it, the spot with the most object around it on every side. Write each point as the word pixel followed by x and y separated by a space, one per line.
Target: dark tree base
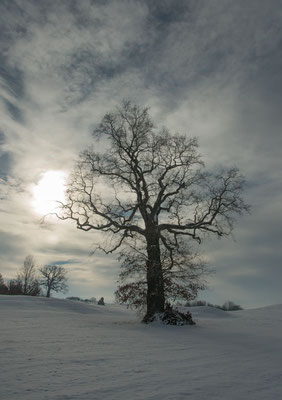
pixel 171 316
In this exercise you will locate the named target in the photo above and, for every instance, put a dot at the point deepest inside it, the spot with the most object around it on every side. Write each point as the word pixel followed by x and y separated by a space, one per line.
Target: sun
pixel 49 190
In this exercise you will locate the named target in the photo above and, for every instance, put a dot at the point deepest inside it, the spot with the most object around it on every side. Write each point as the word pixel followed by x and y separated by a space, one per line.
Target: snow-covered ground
pixel 60 349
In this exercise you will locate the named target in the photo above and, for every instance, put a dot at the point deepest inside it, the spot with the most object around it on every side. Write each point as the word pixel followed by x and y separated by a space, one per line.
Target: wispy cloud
pixel 206 68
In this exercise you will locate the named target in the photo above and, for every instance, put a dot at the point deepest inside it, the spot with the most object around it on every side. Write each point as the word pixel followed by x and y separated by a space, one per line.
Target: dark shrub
pixel 172 316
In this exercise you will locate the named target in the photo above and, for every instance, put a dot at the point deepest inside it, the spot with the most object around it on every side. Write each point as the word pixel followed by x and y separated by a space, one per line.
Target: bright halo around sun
pixel 49 191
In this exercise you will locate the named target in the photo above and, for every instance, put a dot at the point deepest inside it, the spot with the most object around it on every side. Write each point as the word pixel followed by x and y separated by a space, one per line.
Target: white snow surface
pixel 60 349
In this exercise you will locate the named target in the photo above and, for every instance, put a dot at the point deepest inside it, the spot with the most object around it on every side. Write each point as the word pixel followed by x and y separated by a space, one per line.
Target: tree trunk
pixel 48 291
pixel 155 285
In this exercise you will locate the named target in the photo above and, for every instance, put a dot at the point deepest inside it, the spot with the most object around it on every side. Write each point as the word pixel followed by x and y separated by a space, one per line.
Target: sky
pixel 206 68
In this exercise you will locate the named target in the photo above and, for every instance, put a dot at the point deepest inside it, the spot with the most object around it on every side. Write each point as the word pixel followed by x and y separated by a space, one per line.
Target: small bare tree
pixel 3 286
pixel 53 278
pixel 150 184
pixel 26 278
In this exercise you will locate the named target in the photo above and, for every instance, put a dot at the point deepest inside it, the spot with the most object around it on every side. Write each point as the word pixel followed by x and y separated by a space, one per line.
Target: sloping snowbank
pixel 61 349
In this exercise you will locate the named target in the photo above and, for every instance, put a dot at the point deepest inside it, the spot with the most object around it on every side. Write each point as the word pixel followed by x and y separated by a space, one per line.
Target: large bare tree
pixel 150 184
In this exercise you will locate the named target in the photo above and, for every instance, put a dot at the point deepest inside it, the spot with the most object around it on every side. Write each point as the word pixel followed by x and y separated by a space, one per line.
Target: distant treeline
pixel 19 286
pixel 35 281
pixel 227 306
pixel 92 300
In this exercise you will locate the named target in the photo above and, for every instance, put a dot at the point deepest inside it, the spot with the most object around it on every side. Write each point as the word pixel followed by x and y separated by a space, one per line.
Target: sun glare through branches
pixel 48 192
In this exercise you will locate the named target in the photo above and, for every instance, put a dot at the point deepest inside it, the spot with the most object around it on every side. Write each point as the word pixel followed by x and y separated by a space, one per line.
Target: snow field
pixel 60 349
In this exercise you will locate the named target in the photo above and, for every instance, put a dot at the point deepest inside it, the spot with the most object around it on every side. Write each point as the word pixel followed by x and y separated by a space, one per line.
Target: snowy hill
pixel 64 350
